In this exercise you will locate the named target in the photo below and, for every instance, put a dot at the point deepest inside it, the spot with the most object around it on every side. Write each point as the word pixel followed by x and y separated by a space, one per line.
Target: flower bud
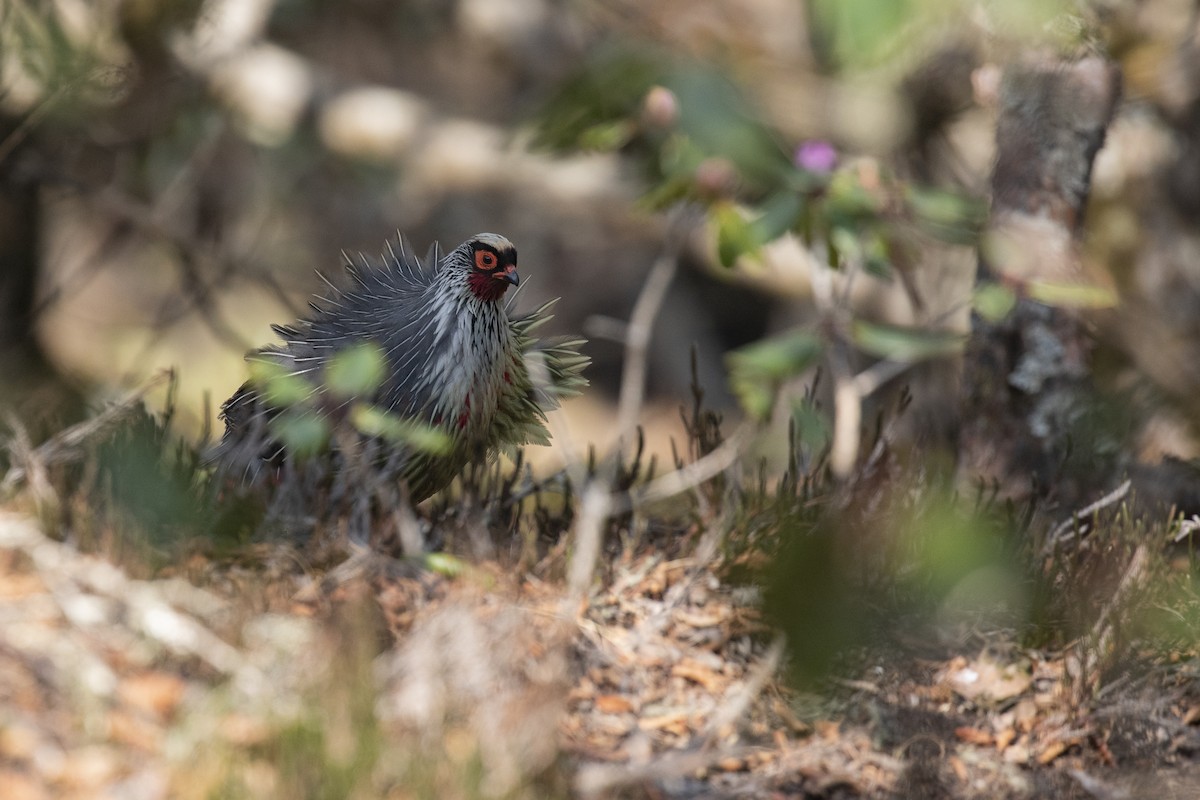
pixel 716 178
pixel 660 108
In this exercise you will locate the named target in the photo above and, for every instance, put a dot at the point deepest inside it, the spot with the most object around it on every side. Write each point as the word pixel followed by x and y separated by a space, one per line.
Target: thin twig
pixel 190 250
pixel 595 505
pixel 738 701
pixel 847 398
pixel 637 339
pixel 11 142
pixel 1097 788
pixel 598 780
pixel 598 502
pixel 693 474
pixel 873 377
pixel 1102 631
pixel 1059 532
pixel 594 510
pixel 408 529
pixel 847 413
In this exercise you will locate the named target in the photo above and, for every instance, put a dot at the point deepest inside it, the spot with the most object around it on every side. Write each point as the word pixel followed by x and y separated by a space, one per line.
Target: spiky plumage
pixel 453 359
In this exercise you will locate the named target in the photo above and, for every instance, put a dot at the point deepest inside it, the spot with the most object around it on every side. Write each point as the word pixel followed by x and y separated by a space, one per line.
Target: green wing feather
pixel 547 371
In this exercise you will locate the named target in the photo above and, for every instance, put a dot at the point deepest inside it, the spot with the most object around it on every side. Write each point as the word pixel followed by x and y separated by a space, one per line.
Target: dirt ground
pixel 269 676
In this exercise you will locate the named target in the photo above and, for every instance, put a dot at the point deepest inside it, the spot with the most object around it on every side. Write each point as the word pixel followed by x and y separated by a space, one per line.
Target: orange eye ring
pixel 485 260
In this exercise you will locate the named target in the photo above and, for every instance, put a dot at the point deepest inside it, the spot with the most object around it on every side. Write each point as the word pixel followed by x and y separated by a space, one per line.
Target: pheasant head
pixel 493 266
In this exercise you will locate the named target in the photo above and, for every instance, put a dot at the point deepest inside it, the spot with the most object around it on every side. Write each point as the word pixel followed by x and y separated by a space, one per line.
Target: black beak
pixel 510 274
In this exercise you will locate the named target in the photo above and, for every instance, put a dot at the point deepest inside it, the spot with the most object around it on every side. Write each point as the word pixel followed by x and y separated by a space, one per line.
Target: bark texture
pixel 1028 396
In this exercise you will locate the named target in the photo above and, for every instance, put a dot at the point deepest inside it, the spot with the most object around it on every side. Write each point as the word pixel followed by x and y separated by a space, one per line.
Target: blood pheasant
pixel 453 362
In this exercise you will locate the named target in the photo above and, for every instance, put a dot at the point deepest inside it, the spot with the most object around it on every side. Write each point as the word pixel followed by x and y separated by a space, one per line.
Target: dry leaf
pixel 985 680
pixel 134 731
pixel 156 693
pixel 698 673
pixel 828 730
pixel 973 736
pixel 710 618
pixel 19 786
pixel 613 704
pixel 676 723
pixel 1052 751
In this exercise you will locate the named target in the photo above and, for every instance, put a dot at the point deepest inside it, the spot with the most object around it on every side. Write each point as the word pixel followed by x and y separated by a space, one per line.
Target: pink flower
pixel 816 155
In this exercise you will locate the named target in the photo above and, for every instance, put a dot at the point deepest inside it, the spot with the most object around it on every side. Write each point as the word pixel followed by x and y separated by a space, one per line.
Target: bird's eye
pixel 485 260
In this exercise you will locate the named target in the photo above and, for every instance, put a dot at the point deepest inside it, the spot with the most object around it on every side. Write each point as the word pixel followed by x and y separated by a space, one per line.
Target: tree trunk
pixel 29 383
pixel 1029 402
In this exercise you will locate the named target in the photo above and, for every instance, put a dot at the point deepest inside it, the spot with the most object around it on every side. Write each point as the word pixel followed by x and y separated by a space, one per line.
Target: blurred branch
pixel 696 473
pixel 637 334
pixel 190 250
pixel 21 131
pixel 738 701
pixel 847 412
pixel 66 445
pixel 598 501
pixel 1059 534
pixel 599 780
pixel 76 582
pixel 594 510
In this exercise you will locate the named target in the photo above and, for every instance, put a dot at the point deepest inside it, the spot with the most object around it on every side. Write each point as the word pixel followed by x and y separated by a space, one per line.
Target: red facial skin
pixel 492 273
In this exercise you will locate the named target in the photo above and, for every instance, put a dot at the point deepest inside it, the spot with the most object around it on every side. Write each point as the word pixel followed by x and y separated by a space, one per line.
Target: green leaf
pixel 356 371
pixel 303 432
pixel 755 396
pixel 780 213
pixel 779 356
pixel 861 33
pixel 950 217
pixel 740 232
pixel 949 545
pixel 848 202
pixel 813 429
pixel 718 117
pixel 877 260
pixel 810 595
pixel 904 344
pixel 607 136
pixel 994 301
pixel 668 192
pixel 1071 295
pixel 846 243
pixel 278 385
pixel 445 564
pixel 374 421
pixel 756 371
pixel 736 235
pixel 607 90
pixel 679 157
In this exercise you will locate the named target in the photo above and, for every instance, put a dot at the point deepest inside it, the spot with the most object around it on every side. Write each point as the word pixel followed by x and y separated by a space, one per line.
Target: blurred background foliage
pixel 173 173
pixel 186 166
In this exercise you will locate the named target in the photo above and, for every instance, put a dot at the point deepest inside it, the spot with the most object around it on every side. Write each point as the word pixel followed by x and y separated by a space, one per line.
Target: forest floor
pixel 272 672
